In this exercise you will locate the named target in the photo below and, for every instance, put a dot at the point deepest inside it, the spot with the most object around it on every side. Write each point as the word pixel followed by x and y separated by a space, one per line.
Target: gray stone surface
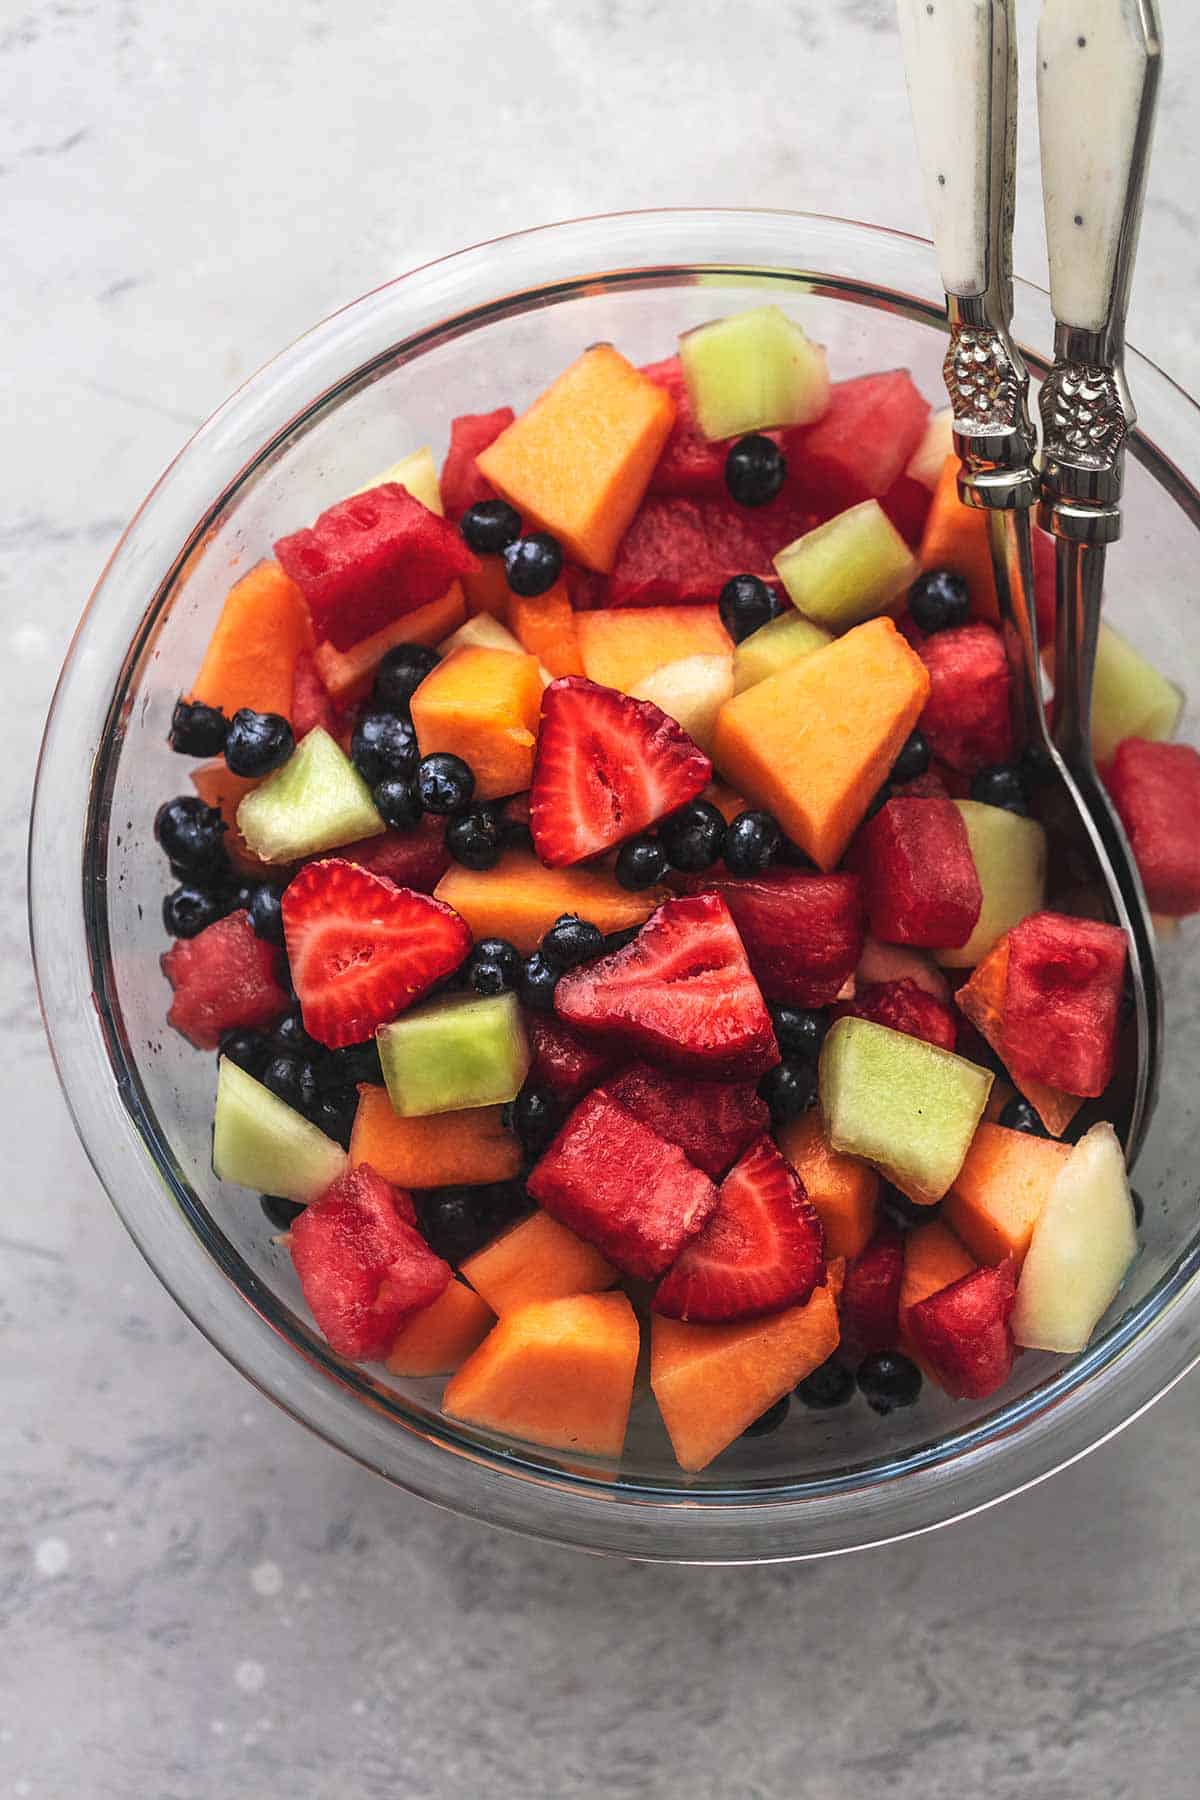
pixel 197 1600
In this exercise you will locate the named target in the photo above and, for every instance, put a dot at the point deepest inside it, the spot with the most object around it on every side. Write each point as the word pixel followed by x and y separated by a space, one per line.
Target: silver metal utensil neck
pixel 988 385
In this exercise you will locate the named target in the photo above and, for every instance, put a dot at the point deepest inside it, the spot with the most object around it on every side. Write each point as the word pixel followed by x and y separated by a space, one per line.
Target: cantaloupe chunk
pixel 933 1258
pixel 536 1259
pixel 218 786
pixel 711 1381
pixel 483 705
pixel 555 1372
pixel 251 656
pixel 451 1149
pixel 520 900
pixel 981 1000
pixel 956 537
pixel 581 458
pixel 440 1337
pixel 347 674
pixel 999 1192
pixel 814 743
pixel 620 647
pixel 487 590
pixel 844 1190
pixel 545 626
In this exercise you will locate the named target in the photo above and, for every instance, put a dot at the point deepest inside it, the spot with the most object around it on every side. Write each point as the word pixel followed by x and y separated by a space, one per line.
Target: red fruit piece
pixel 412 859
pixel 862 444
pixel 311 705
pixel 563 1063
pixel 713 1121
pixel 803 933
pixel 606 767
pixel 761 1250
pixel 362 950
pixel 617 1184
pixel 907 503
pixel 963 1334
pixel 920 882
pixel 966 717
pixel 1156 790
pixel 1062 1002
pixel 690 464
pixel 908 1007
pixel 363 1267
pixel 870 1303
pixel 679 550
pixel 224 976
pixel 371 559
pixel 470 434
pixel 681 992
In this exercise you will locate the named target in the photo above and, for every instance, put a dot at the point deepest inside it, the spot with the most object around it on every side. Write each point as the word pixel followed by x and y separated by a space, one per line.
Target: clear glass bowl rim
pixel 1083 1405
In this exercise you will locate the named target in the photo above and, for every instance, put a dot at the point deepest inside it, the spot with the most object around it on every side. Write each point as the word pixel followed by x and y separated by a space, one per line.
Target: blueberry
pixel 1018 1115
pixel 747 604
pixel 793 855
pixel 444 783
pixel 538 982
pixel 536 1118
pixel 288 1034
pixel 384 744
pixel 887 1380
pixel 457 1221
pixel 1001 785
pixel 197 730
pixel 266 912
pixel 800 1031
pixel 694 837
pixel 248 1049
pixel 751 843
pixel 281 1213
pixel 189 910
pixel 788 1090
pixel 191 834
pixel 755 470
pixel 475 838
pixel 397 802
pixel 488 979
pixel 400 674
pixel 938 600
pixel 333 1113
pixel 498 954
pixel 769 1421
pixel 294 1081
pixel 571 940
pixel 829 1386
pixel 1035 767
pixel 490 526
pixel 641 863
pixel 533 564
pixel 913 759
pixel 257 742
pixel 345 1068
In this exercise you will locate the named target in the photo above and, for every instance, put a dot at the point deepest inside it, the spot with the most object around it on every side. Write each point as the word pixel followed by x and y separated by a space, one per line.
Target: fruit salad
pixel 623 921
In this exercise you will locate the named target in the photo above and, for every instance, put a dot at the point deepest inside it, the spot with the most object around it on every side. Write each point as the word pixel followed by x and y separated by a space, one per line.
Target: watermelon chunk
pixel 906 1006
pixel 564 1063
pixel 1062 1002
pixel 370 559
pixel 413 859
pixel 311 704
pixel 862 446
pixel 713 1121
pixel 966 717
pixel 1156 790
pixel 963 1332
pixel 470 434
pixel 679 550
pixel 919 878
pixel 690 464
pixel 803 933
pixel 870 1300
pixel 224 976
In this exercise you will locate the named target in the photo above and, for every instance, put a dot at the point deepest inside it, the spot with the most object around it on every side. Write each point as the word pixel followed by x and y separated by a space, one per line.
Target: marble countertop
pixel 197 1599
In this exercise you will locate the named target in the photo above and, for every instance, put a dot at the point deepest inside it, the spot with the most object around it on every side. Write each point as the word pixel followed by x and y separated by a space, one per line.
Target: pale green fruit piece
pixel 691 691
pixel 848 570
pixel 316 801
pixel 482 632
pixel 773 646
pixel 418 474
pixel 1010 857
pixel 454 1053
pixel 261 1142
pixel 1082 1245
pixel 929 458
pixel 1130 698
pixel 900 1103
pixel 753 371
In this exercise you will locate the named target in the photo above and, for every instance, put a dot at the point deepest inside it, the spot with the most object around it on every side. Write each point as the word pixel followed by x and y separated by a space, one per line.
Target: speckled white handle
pixel 1094 63
pixel 952 51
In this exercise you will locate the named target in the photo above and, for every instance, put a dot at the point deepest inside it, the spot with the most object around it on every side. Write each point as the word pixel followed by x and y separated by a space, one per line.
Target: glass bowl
pixel 376 380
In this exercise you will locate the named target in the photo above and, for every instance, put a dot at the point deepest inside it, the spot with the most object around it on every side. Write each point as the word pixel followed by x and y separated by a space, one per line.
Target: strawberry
pixel 224 976
pixel 681 993
pixel 761 1250
pixel 563 1062
pixel 413 859
pixel 606 767
pixel 803 933
pixel 714 1121
pixel 362 949
pixel 963 1333
pixel 870 1303
pixel 363 1267
pixel 905 1006
pixel 617 1184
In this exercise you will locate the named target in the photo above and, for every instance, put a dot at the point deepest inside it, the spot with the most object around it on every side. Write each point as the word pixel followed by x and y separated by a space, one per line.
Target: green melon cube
pixel 418 474
pixel 900 1103
pixel 261 1142
pixel 848 570
pixel 454 1053
pixel 316 801
pixel 773 646
pixel 1010 859
pixel 1130 698
pixel 752 371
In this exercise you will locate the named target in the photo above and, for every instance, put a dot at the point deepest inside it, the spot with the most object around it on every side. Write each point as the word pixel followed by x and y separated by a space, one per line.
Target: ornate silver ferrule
pixel 1087 415
pixel 988 385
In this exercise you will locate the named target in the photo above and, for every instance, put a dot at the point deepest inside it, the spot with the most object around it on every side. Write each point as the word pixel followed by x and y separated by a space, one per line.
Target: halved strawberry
pixel 681 992
pixel 963 1332
pixel 362 949
pixel 761 1250
pixel 713 1121
pixel 606 767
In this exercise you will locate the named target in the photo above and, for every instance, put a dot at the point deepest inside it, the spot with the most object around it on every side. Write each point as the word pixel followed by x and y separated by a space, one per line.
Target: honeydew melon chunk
pixel 773 646
pixel 1010 859
pixel 1083 1242
pixel 752 371
pixel 1130 697
pixel 453 1053
pixel 929 458
pixel 849 569
pixel 691 691
pixel 418 474
pixel 261 1142
pixel 483 631
pixel 316 801
pixel 906 1106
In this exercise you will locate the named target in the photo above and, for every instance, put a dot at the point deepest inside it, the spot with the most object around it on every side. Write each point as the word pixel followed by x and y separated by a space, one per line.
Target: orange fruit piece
pixel 483 705
pixel 452 1149
pixel 441 1336
pixel 545 626
pixel 933 1258
pixel 536 1259
pixel 218 786
pixel 347 674
pixel 956 537
pixel 999 1192
pixel 621 646
pixel 520 900
pixel 251 656
pixel 844 1190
